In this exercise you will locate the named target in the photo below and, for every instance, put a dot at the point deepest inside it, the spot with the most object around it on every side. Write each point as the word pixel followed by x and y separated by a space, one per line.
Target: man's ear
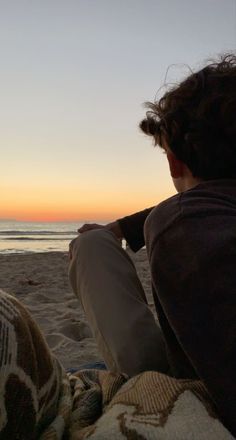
pixel 175 165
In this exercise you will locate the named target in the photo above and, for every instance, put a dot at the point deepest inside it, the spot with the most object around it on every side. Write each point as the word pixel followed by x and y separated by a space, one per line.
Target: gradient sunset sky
pixel 74 75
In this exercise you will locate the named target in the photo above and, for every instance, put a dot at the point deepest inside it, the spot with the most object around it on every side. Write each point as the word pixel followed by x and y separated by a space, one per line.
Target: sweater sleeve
pixel 132 228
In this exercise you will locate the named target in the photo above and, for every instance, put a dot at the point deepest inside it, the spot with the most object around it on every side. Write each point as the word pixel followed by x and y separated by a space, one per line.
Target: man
pixel 191 246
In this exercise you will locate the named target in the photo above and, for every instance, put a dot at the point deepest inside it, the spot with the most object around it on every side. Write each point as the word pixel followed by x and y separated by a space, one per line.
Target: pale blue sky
pixel 73 77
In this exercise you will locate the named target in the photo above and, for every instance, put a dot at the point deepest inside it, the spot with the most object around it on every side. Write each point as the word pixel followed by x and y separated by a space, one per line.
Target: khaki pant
pixel 104 279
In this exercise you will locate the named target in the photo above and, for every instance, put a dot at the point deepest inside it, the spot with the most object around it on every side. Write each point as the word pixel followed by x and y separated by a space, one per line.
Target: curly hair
pixel 197 119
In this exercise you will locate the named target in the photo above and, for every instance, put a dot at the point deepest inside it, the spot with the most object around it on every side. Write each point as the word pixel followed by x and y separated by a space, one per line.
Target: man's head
pixel 195 122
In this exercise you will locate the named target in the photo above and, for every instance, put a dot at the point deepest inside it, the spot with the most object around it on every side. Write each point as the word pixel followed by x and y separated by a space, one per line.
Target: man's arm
pixel 130 228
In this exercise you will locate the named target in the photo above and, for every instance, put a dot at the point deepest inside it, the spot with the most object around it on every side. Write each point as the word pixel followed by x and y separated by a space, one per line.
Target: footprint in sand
pixel 76 331
pixel 54 340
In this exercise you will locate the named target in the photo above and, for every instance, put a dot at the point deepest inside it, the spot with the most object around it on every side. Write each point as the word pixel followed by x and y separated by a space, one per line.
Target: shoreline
pixel 40 281
pixel 8 254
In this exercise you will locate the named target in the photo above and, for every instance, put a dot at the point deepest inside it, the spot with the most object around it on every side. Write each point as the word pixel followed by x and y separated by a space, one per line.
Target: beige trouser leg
pixel 104 278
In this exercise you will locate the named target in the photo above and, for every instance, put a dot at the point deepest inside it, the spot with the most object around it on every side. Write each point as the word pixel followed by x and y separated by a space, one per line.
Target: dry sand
pixel 40 281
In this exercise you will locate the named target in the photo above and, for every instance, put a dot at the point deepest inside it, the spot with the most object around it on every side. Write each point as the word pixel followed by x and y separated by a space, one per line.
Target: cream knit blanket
pixel 39 400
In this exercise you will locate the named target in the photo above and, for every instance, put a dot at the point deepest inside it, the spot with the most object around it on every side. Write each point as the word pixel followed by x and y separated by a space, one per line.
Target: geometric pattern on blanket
pixel 148 406
pixel 39 400
pixel 31 379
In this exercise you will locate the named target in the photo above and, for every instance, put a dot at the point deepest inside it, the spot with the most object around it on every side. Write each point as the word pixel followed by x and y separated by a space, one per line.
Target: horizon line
pixel 2 220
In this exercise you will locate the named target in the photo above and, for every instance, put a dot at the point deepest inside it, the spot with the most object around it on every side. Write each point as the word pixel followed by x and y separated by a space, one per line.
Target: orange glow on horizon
pixel 67 204
pixel 99 211
pixel 55 215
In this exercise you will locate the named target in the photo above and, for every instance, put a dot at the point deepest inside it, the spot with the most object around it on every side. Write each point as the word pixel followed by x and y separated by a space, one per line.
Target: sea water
pixel 24 237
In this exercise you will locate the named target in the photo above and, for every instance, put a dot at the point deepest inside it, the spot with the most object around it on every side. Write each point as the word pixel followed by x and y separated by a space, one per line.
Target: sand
pixel 40 282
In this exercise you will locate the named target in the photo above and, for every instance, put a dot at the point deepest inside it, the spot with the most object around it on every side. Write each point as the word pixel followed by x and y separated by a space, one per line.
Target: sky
pixel 74 75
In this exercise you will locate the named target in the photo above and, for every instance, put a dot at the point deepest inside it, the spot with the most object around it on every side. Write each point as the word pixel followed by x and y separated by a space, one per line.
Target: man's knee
pixel 86 251
pixel 90 241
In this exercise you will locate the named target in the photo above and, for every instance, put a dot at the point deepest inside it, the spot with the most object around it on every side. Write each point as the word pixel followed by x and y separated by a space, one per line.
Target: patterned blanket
pixel 39 400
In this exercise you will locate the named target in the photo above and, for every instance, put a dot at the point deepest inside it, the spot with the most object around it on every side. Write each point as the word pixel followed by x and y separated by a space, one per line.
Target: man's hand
pixel 113 227
pixel 89 226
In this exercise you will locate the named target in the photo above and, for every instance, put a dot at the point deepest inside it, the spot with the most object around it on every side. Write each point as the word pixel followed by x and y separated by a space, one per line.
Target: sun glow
pixel 69 204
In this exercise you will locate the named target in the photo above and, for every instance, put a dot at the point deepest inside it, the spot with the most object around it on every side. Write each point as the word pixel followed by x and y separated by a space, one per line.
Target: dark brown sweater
pixel 191 246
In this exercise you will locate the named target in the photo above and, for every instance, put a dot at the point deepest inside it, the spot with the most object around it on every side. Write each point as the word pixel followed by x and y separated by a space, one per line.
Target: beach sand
pixel 40 282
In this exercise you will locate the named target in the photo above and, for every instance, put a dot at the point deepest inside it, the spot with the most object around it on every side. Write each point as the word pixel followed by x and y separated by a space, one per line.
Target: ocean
pixel 25 237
